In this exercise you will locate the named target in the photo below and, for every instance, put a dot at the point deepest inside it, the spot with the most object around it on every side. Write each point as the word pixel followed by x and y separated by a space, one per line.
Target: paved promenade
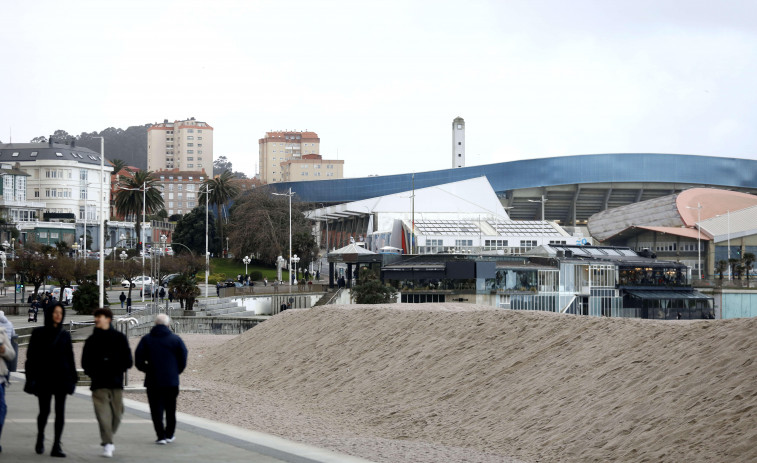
pixel 197 439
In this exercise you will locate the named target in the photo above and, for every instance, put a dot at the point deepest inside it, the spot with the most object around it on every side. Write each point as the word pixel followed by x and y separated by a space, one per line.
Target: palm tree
pixel 721 268
pixel 222 189
pixel 130 194
pixel 118 165
pixel 748 258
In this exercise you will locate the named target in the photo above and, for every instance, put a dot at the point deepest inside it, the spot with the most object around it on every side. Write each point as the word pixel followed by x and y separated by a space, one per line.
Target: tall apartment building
pixel 281 146
pixel 180 189
pixel 183 145
pixel 311 167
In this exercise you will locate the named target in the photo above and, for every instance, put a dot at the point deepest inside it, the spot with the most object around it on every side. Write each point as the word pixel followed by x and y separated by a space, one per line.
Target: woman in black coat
pixel 51 372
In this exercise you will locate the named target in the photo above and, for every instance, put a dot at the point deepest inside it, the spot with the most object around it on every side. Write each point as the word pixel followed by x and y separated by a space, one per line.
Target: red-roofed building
pixel 281 146
pixel 184 145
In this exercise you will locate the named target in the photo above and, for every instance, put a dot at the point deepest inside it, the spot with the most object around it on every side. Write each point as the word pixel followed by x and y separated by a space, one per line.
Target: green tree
pixel 371 290
pixel 190 231
pixel 185 290
pixel 259 227
pixel 748 259
pixel 87 298
pixel 222 189
pixel 133 190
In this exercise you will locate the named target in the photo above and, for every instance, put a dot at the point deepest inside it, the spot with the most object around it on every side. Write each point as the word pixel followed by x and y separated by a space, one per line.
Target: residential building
pixel 65 178
pixel 180 189
pixel 311 167
pixel 127 171
pixel 183 145
pixel 280 146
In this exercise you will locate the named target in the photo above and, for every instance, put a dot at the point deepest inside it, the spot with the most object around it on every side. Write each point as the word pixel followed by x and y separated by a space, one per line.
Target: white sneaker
pixel 108 450
pixel 161 442
pixel 170 439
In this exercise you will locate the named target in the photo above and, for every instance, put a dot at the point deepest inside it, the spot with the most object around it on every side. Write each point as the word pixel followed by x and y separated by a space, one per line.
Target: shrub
pixel 214 277
pixel 87 298
pixel 256 275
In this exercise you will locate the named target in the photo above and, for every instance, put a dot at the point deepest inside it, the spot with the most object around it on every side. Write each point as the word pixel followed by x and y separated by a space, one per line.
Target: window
pixel 179 187
pixel 190 144
pixel 199 138
pixel 34 154
pixel 43 234
pixel 82 174
pixel 459 143
pixel 528 243
pixel 54 235
pixel 15 155
pixel 190 137
pixel 190 151
pixel 459 126
pixel 199 130
pixel 190 158
pixel 83 193
pixel 170 203
pixel 36 192
pixel 60 155
pixel 190 131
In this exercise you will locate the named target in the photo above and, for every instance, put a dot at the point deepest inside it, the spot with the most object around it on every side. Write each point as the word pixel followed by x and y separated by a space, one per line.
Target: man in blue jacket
pixel 162 356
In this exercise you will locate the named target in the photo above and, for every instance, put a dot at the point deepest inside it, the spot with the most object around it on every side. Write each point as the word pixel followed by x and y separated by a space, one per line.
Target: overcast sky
pixel 380 82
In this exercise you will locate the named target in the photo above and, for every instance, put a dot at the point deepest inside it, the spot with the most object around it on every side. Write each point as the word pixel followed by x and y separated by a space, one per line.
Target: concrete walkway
pixel 197 439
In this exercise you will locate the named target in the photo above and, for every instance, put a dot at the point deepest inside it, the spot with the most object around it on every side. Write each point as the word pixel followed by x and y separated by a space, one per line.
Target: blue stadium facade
pixel 574 187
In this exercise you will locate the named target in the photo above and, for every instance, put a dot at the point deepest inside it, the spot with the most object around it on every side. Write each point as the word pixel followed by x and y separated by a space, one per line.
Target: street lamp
pixel 101 221
pixel 699 238
pixel 246 261
pixel 13 248
pixel 3 260
pixel 290 194
pixel 123 257
pixel 207 253
pixel 542 201
pixel 163 239
pixel 123 238
pixel 295 261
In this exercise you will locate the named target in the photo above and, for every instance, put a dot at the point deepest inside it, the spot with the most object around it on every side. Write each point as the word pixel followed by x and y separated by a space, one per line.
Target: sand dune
pixel 534 386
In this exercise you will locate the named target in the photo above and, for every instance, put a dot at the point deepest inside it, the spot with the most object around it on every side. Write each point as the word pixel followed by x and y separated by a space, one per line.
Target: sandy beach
pixel 447 382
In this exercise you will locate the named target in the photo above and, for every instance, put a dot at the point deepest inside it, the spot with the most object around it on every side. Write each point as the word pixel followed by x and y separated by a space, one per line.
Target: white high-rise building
pixel 458 142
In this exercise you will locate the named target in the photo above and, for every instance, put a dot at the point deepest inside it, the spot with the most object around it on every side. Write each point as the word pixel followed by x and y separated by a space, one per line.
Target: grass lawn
pixel 234 267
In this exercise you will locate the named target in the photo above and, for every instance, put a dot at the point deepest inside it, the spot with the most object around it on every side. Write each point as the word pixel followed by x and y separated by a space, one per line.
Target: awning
pixel 667 295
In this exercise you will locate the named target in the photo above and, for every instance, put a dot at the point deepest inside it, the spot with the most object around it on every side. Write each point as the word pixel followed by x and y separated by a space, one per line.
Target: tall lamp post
pixel 290 194
pixel 699 238
pixel 123 238
pixel 207 253
pixel 542 201
pixel 246 261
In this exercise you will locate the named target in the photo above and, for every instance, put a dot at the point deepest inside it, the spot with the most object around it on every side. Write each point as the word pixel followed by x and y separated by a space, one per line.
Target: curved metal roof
pixel 530 173
pixel 26 152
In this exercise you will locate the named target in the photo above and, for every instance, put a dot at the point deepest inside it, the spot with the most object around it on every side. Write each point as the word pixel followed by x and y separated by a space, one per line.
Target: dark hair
pixel 104 311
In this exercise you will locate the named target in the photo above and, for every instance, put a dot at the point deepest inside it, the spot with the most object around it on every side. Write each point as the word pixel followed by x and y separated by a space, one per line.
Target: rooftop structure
pixel 575 187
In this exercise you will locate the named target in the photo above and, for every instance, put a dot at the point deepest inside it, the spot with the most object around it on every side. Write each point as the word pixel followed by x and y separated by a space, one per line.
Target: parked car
pixel 230 283
pixel 68 295
pixel 167 279
pixel 137 282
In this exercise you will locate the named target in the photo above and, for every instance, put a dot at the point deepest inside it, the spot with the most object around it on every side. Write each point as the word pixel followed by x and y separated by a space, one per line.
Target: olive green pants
pixel 109 407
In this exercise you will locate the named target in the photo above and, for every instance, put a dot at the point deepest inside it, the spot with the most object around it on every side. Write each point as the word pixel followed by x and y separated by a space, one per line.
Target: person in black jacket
pixel 162 356
pixel 51 372
pixel 105 358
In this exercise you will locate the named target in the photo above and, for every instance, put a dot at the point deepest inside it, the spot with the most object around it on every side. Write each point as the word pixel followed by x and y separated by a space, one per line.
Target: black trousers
pixel 44 398
pixel 163 400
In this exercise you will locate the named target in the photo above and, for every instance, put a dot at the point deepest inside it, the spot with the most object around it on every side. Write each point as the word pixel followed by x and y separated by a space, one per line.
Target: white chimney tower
pixel 458 142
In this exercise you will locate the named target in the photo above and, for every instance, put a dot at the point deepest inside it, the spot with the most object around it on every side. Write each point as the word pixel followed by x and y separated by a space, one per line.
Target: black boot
pixel 39 447
pixel 57 451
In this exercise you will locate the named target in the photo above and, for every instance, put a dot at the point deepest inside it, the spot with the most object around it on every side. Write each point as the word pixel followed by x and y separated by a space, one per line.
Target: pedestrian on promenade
pixel 8 354
pixel 122 298
pixel 170 295
pixel 51 372
pixel 5 323
pixel 162 293
pixel 162 355
pixel 105 358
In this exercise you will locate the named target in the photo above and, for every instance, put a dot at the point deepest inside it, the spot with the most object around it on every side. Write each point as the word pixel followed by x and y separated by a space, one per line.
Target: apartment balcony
pixel 13 203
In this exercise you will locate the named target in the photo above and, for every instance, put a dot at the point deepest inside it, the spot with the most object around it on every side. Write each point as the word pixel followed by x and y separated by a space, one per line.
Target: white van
pixel 68 295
